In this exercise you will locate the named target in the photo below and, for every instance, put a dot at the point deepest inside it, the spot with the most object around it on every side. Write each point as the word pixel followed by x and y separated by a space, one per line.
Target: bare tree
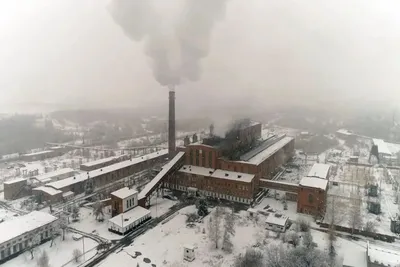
pixel 33 243
pixel 98 210
pixel 355 218
pixel 214 226
pixel 75 213
pixel 307 240
pixel 76 255
pixel 276 256
pixel 370 226
pixel 251 258
pixel 229 231
pixel 43 260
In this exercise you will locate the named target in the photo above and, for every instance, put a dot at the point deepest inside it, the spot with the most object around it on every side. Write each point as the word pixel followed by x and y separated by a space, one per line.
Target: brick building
pixel 123 200
pixel 231 167
pixel 312 194
pixel 15 189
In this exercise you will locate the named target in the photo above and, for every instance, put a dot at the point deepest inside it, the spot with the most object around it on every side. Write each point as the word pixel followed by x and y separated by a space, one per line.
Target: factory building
pixel 104 176
pixel 231 167
pixel 25 231
pixel 16 188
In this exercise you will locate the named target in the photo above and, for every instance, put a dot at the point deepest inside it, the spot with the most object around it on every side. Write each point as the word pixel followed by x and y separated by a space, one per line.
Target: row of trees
pixel 221 228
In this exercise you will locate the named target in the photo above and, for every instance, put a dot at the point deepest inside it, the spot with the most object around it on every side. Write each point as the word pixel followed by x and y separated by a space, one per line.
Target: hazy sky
pixel 264 51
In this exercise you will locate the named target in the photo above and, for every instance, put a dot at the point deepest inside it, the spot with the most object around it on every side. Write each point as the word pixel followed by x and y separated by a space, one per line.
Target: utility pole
pixel 83 247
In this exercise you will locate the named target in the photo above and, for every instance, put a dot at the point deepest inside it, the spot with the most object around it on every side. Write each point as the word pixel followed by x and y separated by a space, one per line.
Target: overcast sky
pixel 263 51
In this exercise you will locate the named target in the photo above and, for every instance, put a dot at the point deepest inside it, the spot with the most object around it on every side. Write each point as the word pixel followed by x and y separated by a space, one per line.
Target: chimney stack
pixel 171 124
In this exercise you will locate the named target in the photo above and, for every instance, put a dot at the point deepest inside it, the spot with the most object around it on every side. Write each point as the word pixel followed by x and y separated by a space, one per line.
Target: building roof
pixel 269 151
pixel 217 173
pixel 20 225
pixel 267 142
pixel 382 147
pixel 56 173
pixel 344 132
pixel 197 170
pixel 129 217
pixel 48 190
pixel 314 182
pixel 95 173
pixel 124 192
pixel 38 153
pixel 100 161
pixel 233 176
pixel 319 170
pixel 277 220
pixel 383 256
pixel 14 181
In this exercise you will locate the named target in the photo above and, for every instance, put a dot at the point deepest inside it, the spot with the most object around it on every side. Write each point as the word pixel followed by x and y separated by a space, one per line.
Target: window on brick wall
pixel 210 159
pixel 310 198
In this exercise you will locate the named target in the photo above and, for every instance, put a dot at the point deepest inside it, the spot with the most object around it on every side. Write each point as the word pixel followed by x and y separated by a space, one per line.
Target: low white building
pixel 380 256
pixel 188 253
pixel 25 231
pixel 277 223
pixel 128 221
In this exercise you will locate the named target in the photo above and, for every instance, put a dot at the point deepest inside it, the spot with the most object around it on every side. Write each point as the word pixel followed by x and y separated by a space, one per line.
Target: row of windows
pixel 16 247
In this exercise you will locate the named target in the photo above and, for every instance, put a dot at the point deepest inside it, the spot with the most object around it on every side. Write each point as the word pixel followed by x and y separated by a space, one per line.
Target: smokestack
pixel 171 124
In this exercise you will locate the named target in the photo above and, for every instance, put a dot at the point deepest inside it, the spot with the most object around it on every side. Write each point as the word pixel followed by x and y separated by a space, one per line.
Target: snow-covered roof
pixel 14 181
pixel 217 173
pixel 23 224
pixel 319 170
pixel 100 161
pixel 38 153
pixel 382 147
pixel 54 174
pixel 197 170
pixel 165 169
pixel 95 173
pixel 124 192
pixel 48 190
pixel 235 176
pixel 383 256
pixel 187 246
pixel 355 257
pixel 344 132
pixel 273 219
pixel 269 151
pixel 129 217
pixel 314 182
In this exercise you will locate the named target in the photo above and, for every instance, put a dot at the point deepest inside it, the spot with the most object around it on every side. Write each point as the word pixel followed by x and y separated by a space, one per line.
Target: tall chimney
pixel 171 123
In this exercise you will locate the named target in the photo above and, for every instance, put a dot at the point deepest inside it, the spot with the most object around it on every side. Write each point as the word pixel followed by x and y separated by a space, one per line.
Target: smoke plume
pixel 175 53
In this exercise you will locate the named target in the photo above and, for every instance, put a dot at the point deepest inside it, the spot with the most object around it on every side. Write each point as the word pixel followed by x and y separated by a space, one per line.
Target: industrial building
pixel 312 196
pixel 126 214
pixel 231 168
pixel 102 177
pixel 101 163
pixel 45 154
pixel 53 176
pixel 16 188
pixel 25 231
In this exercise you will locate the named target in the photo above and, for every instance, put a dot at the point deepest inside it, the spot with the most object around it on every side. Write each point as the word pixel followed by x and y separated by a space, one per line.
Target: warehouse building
pixel 104 176
pixel 25 231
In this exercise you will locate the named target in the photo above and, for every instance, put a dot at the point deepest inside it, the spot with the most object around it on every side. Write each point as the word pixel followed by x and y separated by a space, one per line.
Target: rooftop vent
pixel 101 170
pixel 239 176
pixel 210 172
pixel 277 215
pixel 142 157
pixel 184 168
pixel 74 177
pixel 226 175
pixel 126 220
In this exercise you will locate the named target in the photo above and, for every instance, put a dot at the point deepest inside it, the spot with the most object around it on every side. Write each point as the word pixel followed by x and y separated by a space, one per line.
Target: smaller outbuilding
pixel 188 253
pixel 277 223
pixel 128 221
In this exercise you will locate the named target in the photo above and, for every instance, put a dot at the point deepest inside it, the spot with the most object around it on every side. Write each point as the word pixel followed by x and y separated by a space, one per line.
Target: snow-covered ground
pixel 164 244
pixel 88 223
pixel 60 254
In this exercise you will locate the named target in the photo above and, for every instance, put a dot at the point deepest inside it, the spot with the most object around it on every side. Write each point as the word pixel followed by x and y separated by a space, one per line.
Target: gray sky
pixel 264 51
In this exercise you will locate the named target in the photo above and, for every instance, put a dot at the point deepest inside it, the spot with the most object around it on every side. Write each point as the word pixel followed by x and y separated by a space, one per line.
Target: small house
pixel 277 223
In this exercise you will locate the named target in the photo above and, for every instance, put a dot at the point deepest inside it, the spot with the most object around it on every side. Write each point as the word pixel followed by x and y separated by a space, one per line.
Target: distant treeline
pixel 19 134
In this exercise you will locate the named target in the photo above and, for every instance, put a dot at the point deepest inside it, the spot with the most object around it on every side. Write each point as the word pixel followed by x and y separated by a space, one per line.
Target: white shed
pixel 188 253
pixel 277 222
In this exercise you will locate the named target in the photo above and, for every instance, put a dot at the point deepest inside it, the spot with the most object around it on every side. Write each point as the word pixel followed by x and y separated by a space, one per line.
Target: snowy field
pixel 60 254
pixel 164 244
